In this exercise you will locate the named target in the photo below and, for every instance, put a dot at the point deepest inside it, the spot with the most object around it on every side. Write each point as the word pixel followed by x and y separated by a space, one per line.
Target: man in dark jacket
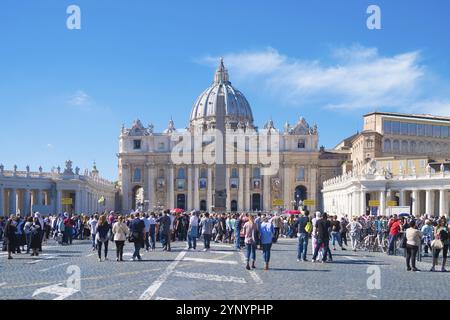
pixel 164 230
pixel 137 230
pixel 323 238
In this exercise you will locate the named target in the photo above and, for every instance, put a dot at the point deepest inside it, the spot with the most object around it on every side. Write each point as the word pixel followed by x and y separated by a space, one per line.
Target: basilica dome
pixel 221 95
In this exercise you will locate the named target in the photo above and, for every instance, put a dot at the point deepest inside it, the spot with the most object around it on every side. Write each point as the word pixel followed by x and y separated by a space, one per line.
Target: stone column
pixel 354 204
pixel 196 189
pixel 13 201
pixel 190 176
pixel 313 189
pixel 382 203
pixel 363 205
pixel 429 202
pixel 78 202
pixel 443 210
pixel 402 198
pixel 266 193
pixel 209 200
pixel 26 202
pixel 2 204
pixel 39 197
pixel 227 181
pixel 415 203
pixel 58 201
pixel 286 188
pixel 126 203
pixel 151 187
pixel 247 194
pixel 241 189
pixel 171 193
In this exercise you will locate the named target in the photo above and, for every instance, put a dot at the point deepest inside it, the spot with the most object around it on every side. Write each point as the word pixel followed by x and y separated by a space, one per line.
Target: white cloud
pixel 352 77
pixel 80 99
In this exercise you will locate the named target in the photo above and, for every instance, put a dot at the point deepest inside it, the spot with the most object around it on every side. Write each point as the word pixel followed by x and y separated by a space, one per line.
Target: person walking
pixel 146 221
pixel 441 242
pixel 354 229
pixel 137 230
pixel 266 233
pixel 27 231
pixel 93 229
pixel 35 236
pixel 103 228
pixel 277 225
pixel 394 230
pixel 193 231
pixel 344 230
pixel 336 232
pixel 427 232
pixel 120 231
pixel 10 236
pixel 250 229
pixel 323 238
pixel 207 225
pixel 303 227
pixel 152 232
pixel 413 241
pixel 164 230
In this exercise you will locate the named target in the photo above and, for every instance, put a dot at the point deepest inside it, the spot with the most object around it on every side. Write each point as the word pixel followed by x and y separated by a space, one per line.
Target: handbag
pixel 437 244
pixel 403 243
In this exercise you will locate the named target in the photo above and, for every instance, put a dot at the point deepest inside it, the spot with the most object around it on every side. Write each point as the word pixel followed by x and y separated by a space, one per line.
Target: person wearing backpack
pixel 304 228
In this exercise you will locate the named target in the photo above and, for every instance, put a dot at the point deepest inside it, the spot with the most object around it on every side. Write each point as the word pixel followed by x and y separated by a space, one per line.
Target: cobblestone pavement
pixel 218 274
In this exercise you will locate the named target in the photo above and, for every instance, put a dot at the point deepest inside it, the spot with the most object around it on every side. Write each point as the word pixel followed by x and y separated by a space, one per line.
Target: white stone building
pixel 27 191
pixel 425 193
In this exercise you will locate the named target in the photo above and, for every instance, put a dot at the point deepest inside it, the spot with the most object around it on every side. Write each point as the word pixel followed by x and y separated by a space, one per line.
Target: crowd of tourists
pixel 244 231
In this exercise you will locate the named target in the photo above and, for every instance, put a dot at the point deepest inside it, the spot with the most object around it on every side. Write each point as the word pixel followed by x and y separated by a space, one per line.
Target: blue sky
pixel 64 94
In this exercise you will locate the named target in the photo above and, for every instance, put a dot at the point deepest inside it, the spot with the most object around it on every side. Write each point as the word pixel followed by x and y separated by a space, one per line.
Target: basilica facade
pixel 224 170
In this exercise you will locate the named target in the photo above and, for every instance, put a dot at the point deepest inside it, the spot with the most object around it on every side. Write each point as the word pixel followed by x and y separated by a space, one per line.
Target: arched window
pixel 234 173
pixel 421 147
pixel 301 174
pixel 412 147
pixel 137 175
pixel 301 144
pixel 387 145
pixel 405 146
pixel 437 148
pixel 181 173
pixel 396 146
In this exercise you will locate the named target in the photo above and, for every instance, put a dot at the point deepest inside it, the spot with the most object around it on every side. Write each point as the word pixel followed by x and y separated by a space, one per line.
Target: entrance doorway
pixel 181 201
pixel 138 198
pixel 256 202
pixel 301 194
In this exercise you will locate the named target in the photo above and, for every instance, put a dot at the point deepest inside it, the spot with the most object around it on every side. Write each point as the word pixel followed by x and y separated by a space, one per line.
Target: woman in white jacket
pixel 120 231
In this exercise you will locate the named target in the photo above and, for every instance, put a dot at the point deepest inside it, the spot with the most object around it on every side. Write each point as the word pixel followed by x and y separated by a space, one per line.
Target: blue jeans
pixel 206 240
pixel 336 236
pixel 251 251
pixel 266 251
pixel 137 249
pixel 302 246
pixel 392 241
pixel 192 237
pixel 94 245
pixel 237 240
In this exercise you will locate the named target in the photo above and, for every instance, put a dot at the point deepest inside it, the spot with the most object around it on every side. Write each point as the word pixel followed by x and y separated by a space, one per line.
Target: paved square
pixel 218 274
